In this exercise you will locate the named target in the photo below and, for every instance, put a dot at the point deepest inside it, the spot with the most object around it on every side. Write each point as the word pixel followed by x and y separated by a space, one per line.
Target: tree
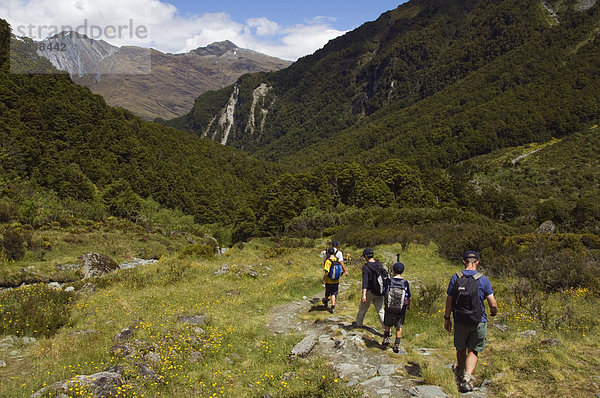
pixel 120 200
pixel 402 180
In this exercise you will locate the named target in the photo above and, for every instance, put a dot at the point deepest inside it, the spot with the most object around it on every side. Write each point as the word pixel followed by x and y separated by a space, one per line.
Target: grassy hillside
pixel 243 358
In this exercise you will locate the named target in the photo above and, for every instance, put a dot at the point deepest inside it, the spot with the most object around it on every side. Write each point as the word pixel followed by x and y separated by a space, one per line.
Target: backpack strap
pixel 477 275
pixel 459 274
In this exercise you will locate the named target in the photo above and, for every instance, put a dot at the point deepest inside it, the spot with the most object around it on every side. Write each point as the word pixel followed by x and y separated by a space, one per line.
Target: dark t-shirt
pixel 368 274
pixel 485 289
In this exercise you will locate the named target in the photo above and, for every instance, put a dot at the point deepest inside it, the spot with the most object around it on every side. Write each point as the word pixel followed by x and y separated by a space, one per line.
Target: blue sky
pixel 347 15
pixel 285 29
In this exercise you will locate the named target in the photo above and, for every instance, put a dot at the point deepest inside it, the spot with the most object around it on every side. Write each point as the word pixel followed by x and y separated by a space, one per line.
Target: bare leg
pixel 470 361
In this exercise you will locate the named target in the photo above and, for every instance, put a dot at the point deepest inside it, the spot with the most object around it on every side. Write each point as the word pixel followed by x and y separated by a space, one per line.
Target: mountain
pixel 148 82
pixel 432 82
pixel 60 136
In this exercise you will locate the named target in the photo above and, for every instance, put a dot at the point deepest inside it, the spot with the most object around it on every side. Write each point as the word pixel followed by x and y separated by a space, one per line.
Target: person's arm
pixel 344 267
pixel 364 296
pixel 325 277
pixel 447 313
pixel 493 304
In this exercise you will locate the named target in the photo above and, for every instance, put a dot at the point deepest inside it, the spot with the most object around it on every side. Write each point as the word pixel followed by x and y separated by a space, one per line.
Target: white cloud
pixel 160 25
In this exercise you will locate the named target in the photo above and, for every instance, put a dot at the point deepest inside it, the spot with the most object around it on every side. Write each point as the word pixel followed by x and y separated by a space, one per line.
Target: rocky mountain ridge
pixel 146 81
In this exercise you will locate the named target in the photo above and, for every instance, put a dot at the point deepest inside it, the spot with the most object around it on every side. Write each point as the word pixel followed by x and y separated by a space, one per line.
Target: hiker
pixel 371 292
pixel 466 294
pixel 338 254
pixel 334 269
pixel 397 301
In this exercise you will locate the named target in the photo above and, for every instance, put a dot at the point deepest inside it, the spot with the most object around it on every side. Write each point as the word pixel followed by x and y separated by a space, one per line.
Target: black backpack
pixel 381 282
pixel 466 305
pixel 396 296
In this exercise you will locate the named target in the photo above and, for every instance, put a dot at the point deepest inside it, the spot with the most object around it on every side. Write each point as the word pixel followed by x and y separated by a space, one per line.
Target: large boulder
pixel 547 227
pixel 94 264
pixel 103 384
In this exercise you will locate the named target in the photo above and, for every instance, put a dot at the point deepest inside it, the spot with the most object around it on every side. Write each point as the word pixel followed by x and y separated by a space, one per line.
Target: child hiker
pixel 397 301
pixel 334 269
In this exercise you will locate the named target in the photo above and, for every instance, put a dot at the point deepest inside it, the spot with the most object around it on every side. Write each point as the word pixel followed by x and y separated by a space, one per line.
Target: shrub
pixel 35 310
pixel 429 297
pixel 13 244
pixel 8 212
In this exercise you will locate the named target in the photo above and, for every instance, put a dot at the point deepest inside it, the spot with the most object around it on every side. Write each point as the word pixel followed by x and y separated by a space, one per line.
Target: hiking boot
pixel 466 384
pixel 332 310
pixel 324 301
pixel 396 346
pixel 386 341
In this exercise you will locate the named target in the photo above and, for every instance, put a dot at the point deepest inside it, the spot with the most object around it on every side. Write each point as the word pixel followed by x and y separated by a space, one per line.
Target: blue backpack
pixel 336 270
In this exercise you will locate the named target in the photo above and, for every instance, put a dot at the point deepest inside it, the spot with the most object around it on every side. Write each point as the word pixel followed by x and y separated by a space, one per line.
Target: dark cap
pixel 398 268
pixel 368 252
pixel 335 243
pixel 471 254
pixel 331 251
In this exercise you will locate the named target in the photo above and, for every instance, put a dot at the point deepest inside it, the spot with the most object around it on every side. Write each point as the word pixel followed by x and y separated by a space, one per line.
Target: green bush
pixel 207 247
pixel 12 244
pixel 429 297
pixel 35 310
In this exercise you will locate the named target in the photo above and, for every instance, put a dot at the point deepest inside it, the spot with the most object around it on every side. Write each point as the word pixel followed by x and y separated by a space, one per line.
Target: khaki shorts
pixel 472 336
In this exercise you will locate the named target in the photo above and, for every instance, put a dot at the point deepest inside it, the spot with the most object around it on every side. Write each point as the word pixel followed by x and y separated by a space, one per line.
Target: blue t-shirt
pixel 485 289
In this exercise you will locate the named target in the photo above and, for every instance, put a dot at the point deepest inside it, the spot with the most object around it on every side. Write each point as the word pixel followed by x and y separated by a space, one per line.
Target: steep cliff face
pixel 147 82
pixel 76 53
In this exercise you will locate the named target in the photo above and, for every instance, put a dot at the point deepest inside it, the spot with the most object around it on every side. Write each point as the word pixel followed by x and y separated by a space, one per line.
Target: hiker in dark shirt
pixel 368 286
pixel 469 336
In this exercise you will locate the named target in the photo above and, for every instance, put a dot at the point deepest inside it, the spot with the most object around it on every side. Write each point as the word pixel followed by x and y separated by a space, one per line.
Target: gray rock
pixel 428 392
pixel 69 289
pixel 147 372
pixel 136 262
pixel 347 370
pixel 196 356
pixel 501 326
pixel 103 384
pixel 386 370
pixel 548 227
pixel 2 364
pixel 528 333
pixel 94 264
pixel 68 267
pixel 193 320
pixel 54 285
pixel 123 350
pixel 223 270
pixel 152 357
pixel 551 342
pixel 123 335
pixel 304 347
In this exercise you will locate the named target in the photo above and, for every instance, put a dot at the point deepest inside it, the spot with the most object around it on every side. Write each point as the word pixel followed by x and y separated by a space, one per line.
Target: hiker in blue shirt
pixel 466 294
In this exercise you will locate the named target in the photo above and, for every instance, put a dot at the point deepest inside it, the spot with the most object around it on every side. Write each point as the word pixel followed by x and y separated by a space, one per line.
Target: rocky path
pixel 355 353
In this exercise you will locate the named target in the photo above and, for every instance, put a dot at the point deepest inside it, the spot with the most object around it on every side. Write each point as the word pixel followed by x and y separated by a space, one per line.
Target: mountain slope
pixel 419 78
pixel 57 134
pixel 148 82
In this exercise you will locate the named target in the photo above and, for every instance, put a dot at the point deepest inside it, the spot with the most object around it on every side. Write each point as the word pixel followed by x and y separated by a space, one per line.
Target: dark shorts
pixel 331 289
pixel 394 320
pixel 472 336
